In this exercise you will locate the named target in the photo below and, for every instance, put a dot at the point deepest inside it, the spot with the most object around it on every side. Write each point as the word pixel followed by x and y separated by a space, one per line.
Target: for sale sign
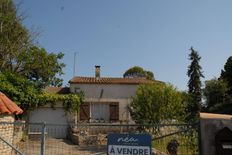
pixel 129 144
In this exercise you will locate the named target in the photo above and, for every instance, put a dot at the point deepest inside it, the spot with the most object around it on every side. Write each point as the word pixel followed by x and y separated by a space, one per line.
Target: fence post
pixel 43 130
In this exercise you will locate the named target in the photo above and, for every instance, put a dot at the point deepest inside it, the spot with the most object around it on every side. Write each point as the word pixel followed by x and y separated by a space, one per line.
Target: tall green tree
pixel 138 72
pixel 194 84
pixel 14 37
pixel 216 98
pixel 40 66
pixel 156 103
pixel 19 55
pixel 26 68
pixel 226 74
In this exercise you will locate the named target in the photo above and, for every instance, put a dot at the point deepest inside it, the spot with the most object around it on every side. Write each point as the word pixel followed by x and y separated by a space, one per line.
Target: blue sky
pixel 119 34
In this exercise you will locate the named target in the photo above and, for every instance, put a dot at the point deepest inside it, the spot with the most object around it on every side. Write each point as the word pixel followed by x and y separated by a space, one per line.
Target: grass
pixel 187 144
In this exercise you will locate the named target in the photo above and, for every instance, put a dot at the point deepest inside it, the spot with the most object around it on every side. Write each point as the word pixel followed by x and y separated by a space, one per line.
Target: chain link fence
pixel 86 139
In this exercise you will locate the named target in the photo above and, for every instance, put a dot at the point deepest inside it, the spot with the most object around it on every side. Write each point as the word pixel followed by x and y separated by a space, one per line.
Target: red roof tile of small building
pixel 7 106
pixel 110 80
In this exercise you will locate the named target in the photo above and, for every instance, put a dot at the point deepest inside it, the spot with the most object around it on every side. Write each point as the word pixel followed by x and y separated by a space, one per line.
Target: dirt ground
pixel 60 147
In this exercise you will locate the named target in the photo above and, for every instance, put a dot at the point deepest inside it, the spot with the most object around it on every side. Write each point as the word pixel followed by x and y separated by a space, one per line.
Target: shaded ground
pixel 60 147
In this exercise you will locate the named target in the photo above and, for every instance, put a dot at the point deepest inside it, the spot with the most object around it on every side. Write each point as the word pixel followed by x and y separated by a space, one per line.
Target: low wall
pixel 6 132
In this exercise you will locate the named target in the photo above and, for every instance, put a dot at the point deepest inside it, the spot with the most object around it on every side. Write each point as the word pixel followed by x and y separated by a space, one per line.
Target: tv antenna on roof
pixel 74 64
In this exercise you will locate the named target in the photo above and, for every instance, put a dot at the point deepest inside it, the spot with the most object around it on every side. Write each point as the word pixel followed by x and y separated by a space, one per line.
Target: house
pixel 106 98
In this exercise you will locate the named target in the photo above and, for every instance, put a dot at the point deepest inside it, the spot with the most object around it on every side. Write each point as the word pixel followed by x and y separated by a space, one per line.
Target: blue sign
pixel 129 144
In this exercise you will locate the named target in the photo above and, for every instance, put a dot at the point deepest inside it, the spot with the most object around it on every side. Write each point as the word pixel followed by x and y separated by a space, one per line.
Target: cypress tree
pixel 194 85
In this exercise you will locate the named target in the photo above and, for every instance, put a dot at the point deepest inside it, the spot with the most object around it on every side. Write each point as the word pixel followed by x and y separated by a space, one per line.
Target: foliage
pixel 190 108
pixel 14 37
pixel 214 92
pixel 138 72
pixel 188 142
pixel 216 97
pixel 72 102
pixel 19 55
pixel 28 96
pixel 42 72
pixel 26 68
pixel 194 84
pixel 156 103
pixel 226 74
pixel 20 90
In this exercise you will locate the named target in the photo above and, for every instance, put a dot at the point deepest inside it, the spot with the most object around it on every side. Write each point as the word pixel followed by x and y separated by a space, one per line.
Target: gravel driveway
pixel 59 147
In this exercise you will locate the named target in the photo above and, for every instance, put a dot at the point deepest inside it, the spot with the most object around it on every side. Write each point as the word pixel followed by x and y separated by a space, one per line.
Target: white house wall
pixel 49 116
pixel 124 115
pixel 109 93
pixel 115 91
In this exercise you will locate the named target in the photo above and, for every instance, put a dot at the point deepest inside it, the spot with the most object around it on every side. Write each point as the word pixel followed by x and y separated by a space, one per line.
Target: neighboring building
pixel 8 110
pixel 55 115
pixel 106 98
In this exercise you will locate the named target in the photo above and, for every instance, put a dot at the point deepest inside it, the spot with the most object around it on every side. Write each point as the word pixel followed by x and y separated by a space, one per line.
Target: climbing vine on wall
pixel 28 96
pixel 71 102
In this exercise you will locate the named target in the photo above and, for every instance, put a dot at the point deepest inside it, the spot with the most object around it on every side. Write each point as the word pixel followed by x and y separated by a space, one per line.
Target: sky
pixel 119 34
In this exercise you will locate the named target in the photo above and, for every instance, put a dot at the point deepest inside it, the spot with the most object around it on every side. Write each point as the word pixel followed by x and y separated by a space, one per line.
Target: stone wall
pixel 18 132
pixel 6 132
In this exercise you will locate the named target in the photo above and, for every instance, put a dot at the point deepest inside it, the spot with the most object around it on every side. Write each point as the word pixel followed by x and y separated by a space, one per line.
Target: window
pixel 77 90
pixel 99 112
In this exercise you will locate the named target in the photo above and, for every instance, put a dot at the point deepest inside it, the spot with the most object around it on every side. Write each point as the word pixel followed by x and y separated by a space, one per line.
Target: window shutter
pixel 84 112
pixel 114 111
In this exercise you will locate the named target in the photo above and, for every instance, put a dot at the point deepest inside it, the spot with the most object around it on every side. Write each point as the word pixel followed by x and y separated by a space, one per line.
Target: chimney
pixel 97 71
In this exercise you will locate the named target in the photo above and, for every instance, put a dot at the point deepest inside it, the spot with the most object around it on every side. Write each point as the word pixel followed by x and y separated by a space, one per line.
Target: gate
pixel 13 135
pixel 87 139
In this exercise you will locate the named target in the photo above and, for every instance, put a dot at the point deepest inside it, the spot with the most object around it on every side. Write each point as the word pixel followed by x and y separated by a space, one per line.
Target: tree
pixel 42 72
pixel 156 103
pixel 26 68
pixel 226 74
pixel 194 84
pixel 214 93
pixel 216 97
pixel 20 90
pixel 28 95
pixel 19 55
pixel 14 37
pixel 138 72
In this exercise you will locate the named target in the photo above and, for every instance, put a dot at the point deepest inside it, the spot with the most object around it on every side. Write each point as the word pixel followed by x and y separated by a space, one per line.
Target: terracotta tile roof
pixel 110 80
pixel 8 106
pixel 57 90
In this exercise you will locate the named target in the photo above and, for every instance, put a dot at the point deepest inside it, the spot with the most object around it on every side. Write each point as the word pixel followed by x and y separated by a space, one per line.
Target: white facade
pixel 55 118
pixel 101 95
pixel 110 91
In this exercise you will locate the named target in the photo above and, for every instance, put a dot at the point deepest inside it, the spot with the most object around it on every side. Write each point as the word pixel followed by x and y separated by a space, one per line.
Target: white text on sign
pixel 129 150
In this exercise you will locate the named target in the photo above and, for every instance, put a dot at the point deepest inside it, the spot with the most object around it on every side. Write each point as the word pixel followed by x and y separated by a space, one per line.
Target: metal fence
pixel 86 139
